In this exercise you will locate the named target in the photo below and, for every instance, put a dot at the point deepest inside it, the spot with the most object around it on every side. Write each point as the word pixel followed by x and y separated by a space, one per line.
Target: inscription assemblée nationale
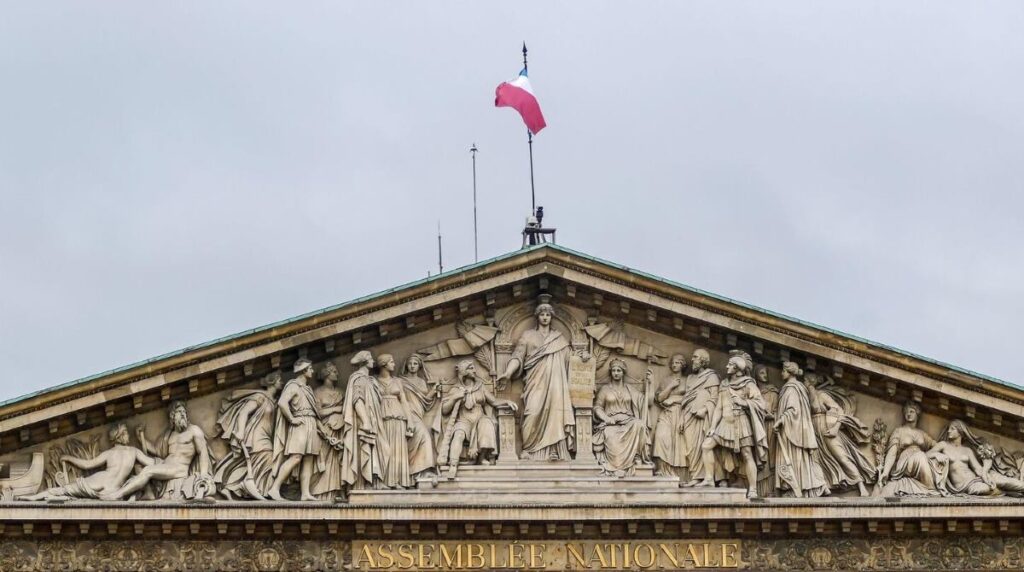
pixel 553 555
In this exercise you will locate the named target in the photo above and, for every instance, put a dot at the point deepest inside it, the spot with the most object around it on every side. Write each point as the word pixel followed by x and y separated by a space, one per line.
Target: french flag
pixel 518 95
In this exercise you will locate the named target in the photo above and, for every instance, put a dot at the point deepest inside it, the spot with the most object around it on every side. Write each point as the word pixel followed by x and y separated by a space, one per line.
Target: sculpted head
pixel 413 365
pixel 677 363
pixel 303 367
pixel 272 382
pixel 119 434
pixel 329 373
pixel 790 370
pixel 739 364
pixel 178 415
pixel 617 369
pixel 386 362
pixel 544 312
pixel 701 360
pixel 465 369
pixel 761 374
pixel 363 358
pixel 911 412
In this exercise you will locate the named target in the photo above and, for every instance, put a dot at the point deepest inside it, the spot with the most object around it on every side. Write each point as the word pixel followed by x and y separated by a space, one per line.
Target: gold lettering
pixel 599 554
pixel 448 560
pixel 614 549
pixel 426 554
pixel 405 554
pixel 494 556
pixel 576 555
pixel 516 560
pixel 387 560
pixel 729 552
pixel 536 555
pixel 693 555
pixel 650 556
pixel 626 555
pixel 670 554
pixel 366 555
pixel 707 556
pixel 475 556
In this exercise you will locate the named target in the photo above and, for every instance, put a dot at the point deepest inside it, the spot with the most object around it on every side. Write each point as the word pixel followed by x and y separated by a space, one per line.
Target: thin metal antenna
pixel 440 263
pixel 476 252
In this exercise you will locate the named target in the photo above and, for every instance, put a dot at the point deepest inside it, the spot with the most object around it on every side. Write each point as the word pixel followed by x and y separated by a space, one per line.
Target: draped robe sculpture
pixel 541 356
pixel 470 429
pixel 621 438
pixel 327 483
pixel 363 448
pixel 297 441
pixel 797 460
pixel 424 419
pixel 669 442
pixel 246 422
pixel 838 435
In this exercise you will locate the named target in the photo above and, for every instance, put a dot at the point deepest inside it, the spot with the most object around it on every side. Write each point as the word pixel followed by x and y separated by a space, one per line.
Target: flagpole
pixel 529 141
pixel 476 253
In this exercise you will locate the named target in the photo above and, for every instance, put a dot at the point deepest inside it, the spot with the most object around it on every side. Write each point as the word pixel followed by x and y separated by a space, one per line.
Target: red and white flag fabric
pixel 518 95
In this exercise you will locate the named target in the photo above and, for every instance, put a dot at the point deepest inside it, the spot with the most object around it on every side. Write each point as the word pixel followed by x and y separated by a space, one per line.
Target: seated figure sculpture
pixel 180 452
pixel 115 464
pixel 621 438
pixel 469 409
pixel 907 469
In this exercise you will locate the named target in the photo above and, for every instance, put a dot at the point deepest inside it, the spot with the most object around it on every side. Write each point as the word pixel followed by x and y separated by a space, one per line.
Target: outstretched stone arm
pixel 87 464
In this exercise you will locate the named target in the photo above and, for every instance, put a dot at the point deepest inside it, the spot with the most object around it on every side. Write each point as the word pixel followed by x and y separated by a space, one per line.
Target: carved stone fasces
pixel 506 437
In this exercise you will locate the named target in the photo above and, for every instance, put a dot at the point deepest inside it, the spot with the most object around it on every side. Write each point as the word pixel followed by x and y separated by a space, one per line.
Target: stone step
pixel 560 496
pixel 543 469
pixel 462 481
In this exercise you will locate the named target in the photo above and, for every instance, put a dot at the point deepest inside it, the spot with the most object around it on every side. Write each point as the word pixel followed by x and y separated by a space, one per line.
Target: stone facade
pixel 523 404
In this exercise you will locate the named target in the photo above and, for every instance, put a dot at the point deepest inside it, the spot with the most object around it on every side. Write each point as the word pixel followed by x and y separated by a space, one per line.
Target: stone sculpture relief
pixel 392 429
pixel 541 357
pixel 177 466
pixel 798 469
pixel 246 422
pixel 737 438
pixel 621 437
pixel 470 427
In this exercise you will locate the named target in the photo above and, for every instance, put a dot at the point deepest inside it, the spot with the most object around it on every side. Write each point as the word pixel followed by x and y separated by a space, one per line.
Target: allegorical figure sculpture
pixel 542 357
pixel 246 422
pixel 797 460
pixel 621 436
pixel 964 473
pixel 180 451
pixel 669 442
pixel 470 430
pixel 362 452
pixel 697 407
pixel 770 394
pixel 906 468
pixel 838 435
pixel 394 411
pixel 326 483
pixel 424 419
pixel 737 426
pixel 297 442
pixel 115 466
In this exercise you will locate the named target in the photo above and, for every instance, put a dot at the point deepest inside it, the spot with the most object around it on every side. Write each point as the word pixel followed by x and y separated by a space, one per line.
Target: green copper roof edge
pixel 476 265
pixel 266 327
pixel 790 318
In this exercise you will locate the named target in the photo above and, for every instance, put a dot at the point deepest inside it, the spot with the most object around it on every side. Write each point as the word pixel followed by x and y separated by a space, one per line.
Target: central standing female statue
pixel 542 356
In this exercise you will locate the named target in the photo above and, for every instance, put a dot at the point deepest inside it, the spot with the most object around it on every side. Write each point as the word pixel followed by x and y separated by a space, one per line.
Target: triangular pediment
pixel 480 313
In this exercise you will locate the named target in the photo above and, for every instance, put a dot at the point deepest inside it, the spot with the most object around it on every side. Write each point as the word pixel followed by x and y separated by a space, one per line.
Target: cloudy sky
pixel 172 174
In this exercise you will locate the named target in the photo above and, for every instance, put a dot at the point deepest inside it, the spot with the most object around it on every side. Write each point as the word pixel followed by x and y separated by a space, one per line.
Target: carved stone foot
pixel 275 495
pixel 752 493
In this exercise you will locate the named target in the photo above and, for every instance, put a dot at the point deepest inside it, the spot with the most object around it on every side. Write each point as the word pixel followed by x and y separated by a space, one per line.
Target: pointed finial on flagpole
pixel 525 67
pixel 476 252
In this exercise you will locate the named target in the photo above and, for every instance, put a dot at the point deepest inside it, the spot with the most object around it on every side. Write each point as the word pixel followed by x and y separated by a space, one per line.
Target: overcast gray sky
pixel 172 174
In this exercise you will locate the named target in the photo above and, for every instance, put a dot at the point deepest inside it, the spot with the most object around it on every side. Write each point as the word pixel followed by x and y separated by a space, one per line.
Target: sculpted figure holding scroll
pixel 541 356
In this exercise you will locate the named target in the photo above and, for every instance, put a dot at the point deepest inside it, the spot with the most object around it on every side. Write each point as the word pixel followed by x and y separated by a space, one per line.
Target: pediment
pixel 480 313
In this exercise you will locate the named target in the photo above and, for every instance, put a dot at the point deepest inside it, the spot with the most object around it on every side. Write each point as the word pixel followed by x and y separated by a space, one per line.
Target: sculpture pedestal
pixel 506 437
pixel 585 436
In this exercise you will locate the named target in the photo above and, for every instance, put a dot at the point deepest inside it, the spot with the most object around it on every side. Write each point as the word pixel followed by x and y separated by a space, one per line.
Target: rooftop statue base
pixel 539 482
